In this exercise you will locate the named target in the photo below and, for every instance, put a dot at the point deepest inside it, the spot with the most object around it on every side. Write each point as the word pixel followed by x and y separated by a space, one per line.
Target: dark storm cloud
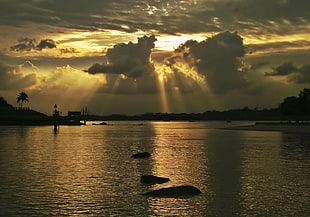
pixel 284 69
pixel 11 78
pixel 218 59
pixel 299 75
pixel 132 59
pixel 27 44
pixel 169 16
pixel 278 9
pixel 259 16
pixel 46 43
pixel 86 15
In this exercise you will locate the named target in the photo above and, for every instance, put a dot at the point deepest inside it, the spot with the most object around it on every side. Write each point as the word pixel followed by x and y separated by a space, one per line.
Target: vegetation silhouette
pixel 4 105
pixel 297 107
pixel 21 98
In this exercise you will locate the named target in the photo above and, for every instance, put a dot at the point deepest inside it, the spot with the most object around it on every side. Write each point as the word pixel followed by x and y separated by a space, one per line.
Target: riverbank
pixel 275 126
pixel 31 117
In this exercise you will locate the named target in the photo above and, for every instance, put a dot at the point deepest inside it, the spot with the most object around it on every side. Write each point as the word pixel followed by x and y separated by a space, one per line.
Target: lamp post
pixel 56 115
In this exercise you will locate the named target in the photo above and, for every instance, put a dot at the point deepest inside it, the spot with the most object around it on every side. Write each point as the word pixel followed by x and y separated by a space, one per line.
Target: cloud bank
pixel 27 44
pixel 298 75
pixel 255 16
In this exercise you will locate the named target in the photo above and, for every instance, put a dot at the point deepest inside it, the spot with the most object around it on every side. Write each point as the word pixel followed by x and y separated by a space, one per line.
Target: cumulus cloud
pixel 217 58
pixel 214 64
pixel 129 69
pixel 27 44
pixel 132 59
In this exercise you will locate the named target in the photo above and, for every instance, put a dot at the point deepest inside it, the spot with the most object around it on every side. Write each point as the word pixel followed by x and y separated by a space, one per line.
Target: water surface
pixel 87 170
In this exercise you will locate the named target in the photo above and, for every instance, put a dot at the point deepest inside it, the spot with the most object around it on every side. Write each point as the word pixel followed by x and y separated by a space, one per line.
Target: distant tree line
pixel 235 114
pixel 291 108
pixel 296 108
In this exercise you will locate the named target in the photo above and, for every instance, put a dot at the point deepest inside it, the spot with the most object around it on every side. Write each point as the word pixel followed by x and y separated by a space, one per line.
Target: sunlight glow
pixel 298 41
pixel 176 81
pixel 171 42
pixel 79 82
pixel 178 100
pixel 162 89
pixel 93 40
pixel 272 38
pixel 64 84
pixel 114 86
pixel 94 43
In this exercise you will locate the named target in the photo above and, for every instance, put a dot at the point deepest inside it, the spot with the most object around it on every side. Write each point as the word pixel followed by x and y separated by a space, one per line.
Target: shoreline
pixel 278 127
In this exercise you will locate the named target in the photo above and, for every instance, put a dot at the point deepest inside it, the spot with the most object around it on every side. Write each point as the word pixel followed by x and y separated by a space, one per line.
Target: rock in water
pixel 141 155
pixel 178 191
pixel 150 179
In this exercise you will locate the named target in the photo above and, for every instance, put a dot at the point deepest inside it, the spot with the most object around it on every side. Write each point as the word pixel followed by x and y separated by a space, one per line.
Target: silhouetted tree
pixel 296 106
pixel 21 98
pixel 304 97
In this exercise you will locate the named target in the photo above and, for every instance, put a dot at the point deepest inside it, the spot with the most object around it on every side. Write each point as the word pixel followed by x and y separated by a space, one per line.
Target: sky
pixel 138 56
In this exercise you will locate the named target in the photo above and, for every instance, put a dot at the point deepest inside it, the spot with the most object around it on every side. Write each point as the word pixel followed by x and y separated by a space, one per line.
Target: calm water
pixel 87 170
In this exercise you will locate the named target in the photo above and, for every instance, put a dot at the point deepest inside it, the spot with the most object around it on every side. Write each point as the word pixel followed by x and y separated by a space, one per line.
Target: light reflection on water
pixel 87 170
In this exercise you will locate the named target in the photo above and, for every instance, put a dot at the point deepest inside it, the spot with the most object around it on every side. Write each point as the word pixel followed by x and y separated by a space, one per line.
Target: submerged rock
pixel 141 155
pixel 178 191
pixel 150 179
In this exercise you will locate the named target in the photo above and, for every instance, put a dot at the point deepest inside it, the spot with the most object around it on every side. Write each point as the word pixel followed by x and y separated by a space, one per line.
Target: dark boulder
pixel 141 155
pixel 150 179
pixel 178 191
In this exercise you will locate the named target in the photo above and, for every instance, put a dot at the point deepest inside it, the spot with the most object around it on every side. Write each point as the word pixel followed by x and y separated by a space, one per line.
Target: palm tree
pixel 21 98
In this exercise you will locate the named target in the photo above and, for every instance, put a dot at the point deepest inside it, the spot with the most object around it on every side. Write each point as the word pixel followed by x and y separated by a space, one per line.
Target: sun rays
pixel 68 87
pixel 162 88
pixel 175 83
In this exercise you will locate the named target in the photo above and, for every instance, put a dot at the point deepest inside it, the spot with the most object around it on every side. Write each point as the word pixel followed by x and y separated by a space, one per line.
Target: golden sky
pixel 132 57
